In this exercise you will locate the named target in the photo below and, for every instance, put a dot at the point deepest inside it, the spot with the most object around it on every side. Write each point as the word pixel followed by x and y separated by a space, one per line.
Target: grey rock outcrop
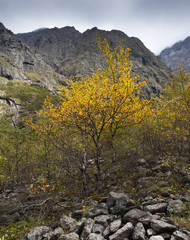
pixel 19 61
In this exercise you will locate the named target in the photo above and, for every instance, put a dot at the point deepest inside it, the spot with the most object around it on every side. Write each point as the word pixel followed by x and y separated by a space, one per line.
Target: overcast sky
pixel 157 23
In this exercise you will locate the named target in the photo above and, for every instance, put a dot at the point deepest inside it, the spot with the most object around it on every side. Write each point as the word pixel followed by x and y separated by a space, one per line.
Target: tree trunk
pixel 84 166
pixel 97 161
pixel 113 150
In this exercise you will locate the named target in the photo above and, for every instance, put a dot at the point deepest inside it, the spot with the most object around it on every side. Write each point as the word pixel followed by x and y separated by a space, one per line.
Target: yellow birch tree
pixel 103 103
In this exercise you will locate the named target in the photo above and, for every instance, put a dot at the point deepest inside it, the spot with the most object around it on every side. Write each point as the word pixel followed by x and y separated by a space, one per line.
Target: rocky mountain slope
pixel 72 53
pixel 179 53
pixel 46 57
pixel 19 61
pixel 22 72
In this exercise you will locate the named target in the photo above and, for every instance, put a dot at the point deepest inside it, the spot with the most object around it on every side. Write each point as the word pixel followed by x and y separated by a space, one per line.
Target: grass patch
pixel 17 230
pixel 30 97
pixel 183 222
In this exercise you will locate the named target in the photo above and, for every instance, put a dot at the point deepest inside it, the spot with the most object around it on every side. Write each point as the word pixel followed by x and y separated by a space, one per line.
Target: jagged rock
pixel 88 226
pixel 58 231
pixel 139 232
pixel 175 207
pixel 94 236
pixel 70 236
pixel 38 233
pixel 156 208
pixel 180 235
pixel 103 220
pixel 107 232
pixel 79 226
pixel 101 209
pixel 123 232
pixel 156 238
pixel 97 228
pixel 118 203
pixel 115 225
pixel 137 215
pixel 168 220
pixel 50 236
pixel 150 232
pixel 186 232
pixel 160 226
pixel 67 223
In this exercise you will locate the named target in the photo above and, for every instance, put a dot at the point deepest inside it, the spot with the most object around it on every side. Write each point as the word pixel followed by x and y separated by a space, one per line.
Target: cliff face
pixel 179 53
pixel 72 53
pixel 19 61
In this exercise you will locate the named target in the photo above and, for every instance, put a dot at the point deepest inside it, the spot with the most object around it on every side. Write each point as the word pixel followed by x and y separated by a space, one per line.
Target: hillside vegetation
pixel 88 140
pixel 98 127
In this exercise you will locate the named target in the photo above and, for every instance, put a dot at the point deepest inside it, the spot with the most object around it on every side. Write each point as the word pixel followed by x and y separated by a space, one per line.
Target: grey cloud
pixel 158 23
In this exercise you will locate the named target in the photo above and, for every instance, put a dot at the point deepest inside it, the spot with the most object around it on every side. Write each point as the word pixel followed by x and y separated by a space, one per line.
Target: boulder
pixel 156 208
pixel 136 215
pixel 175 207
pixel 67 223
pixel 50 236
pixel 150 232
pixel 70 236
pixel 118 203
pixel 115 225
pixel 38 233
pixel 161 227
pixel 103 220
pixel 97 228
pixel 180 235
pixel 100 209
pixel 123 232
pixel 139 232
pixel 156 238
pixel 58 232
pixel 94 236
pixel 79 226
pixel 88 226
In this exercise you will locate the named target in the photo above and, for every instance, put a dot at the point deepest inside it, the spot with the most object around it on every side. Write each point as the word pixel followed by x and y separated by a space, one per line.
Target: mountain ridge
pixel 46 58
pixel 72 53
pixel 19 61
pixel 178 53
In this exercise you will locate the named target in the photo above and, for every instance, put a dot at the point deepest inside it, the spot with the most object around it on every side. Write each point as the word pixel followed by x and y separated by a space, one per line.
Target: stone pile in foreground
pixel 119 218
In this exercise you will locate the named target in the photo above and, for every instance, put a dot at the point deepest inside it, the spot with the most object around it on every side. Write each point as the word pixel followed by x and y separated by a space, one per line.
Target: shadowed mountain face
pixel 179 53
pixel 72 53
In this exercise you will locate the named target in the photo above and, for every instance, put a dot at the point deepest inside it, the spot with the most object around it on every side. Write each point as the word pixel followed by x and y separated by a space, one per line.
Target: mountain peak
pixel 1 26
pixel 177 54
pixel 3 29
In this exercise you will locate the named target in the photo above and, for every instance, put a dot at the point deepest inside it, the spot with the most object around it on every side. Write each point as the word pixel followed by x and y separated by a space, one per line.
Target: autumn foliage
pixel 88 136
pixel 100 105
